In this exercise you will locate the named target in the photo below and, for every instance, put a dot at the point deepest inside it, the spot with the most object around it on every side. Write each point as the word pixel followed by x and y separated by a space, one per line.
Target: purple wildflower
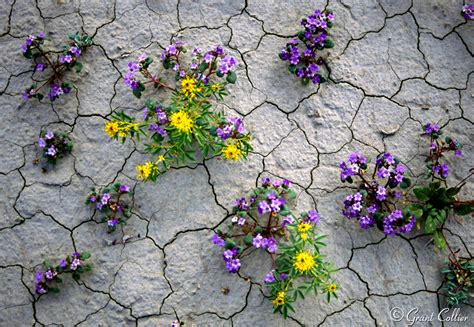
pixel 263 207
pixel 41 142
pixel 63 263
pixel 217 240
pixel 313 216
pixel 233 265
pixel 272 245
pixel 75 263
pixel 51 151
pixel 269 278
pixel 259 241
pixel 105 198
pixel 124 188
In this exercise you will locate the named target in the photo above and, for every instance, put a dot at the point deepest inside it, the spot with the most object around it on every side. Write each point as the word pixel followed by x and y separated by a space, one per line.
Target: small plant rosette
pixel 303 53
pixel 468 12
pixel 266 222
pixel 458 282
pixel 377 199
pixel 177 132
pixel 47 280
pixel 54 65
pixel 435 202
pixel 112 203
pixel 54 146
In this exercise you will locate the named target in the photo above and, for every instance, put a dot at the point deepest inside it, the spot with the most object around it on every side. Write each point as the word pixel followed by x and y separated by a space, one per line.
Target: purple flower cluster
pixel 387 167
pixel 232 263
pixel 54 145
pixel 227 65
pixel 172 50
pixel 56 90
pixel 353 206
pixel 129 78
pixel 43 280
pixel 270 277
pixel 233 128
pixel 305 63
pixel 161 119
pixel 272 204
pixel 261 242
pixel 70 56
pixel 468 12
pixel 111 204
pixel 438 148
pixel 355 163
pixel 32 41
pixel 431 129
pixel 395 223
pixel 369 204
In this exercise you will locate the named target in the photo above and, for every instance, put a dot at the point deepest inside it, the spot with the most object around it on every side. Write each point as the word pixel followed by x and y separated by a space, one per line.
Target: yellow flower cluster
pixel 181 121
pixel 331 288
pixel 189 87
pixel 304 262
pixel 280 299
pixel 144 171
pixel 232 151
pixel 120 128
pixel 303 229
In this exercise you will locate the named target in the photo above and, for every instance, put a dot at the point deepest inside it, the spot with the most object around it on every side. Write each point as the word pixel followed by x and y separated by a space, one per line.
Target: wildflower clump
pixel 53 146
pixel 376 201
pixel 47 280
pixel 302 53
pixel 468 12
pixel 264 221
pixel 458 283
pixel 113 204
pixel 434 201
pixel 50 68
pixel 183 124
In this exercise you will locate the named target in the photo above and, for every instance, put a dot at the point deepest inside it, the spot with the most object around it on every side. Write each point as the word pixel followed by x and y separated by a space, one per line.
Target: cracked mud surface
pixel 396 65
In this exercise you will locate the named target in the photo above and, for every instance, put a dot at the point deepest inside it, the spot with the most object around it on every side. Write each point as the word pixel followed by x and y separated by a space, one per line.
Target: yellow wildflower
pixel 304 227
pixel 231 151
pixel 161 158
pixel 181 121
pixel 189 87
pixel 144 171
pixel 304 236
pixel 304 262
pixel 331 288
pixel 111 128
pixel 280 299
pixel 216 87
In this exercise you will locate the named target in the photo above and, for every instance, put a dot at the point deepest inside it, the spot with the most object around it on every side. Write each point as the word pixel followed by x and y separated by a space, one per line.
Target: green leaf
pixel 229 244
pixel 53 290
pixel 202 67
pixel 85 255
pixel 137 93
pixel 329 43
pixel 78 66
pixel 452 191
pixel 406 183
pixel 422 194
pixel 231 77
pixel 464 209
pixel 439 239
pixel 431 225
pixel 248 240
